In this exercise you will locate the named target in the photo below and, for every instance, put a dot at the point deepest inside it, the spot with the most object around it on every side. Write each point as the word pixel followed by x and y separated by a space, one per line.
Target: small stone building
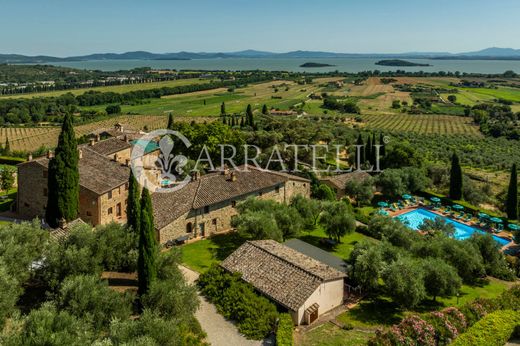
pixel 337 182
pixel 103 182
pixel 307 288
pixel 206 205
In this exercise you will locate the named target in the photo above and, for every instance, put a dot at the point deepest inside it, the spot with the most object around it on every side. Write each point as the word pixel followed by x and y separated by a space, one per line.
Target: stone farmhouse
pixel 306 287
pixel 202 208
pixel 337 182
pixel 104 171
pixel 206 205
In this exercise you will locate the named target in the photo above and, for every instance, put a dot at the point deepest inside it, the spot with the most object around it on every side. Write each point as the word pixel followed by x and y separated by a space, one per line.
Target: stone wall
pixel 31 199
pixel 112 205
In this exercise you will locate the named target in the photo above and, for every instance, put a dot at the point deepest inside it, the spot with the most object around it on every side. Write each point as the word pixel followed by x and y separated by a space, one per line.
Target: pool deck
pixel 408 208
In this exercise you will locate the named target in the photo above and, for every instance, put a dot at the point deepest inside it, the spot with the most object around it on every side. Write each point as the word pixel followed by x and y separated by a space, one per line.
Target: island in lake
pixel 397 62
pixel 315 64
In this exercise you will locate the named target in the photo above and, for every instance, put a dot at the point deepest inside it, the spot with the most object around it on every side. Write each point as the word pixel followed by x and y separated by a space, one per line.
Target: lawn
pixel 510 94
pixel 329 334
pixel 5 203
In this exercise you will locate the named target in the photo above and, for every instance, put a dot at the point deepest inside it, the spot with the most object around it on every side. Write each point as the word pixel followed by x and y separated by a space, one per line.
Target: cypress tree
pixel 7 147
pixel 147 260
pixel 264 110
pixel 63 177
pixel 368 149
pixel 224 120
pixel 361 151
pixel 133 208
pixel 241 121
pixel 382 150
pixel 249 116
pixel 223 109
pixel 373 150
pixel 455 178
pixel 170 122
pixel 512 195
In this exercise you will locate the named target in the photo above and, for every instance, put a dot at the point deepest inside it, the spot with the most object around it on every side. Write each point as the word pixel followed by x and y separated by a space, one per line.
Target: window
pixel 118 210
pixel 26 205
pixel 89 213
pixel 109 194
pixel 260 194
pixel 277 189
pixel 189 227
pixel 45 192
pixel 304 184
pixel 214 221
pixel 233 204
pixel 45 174
pixel 110 211
pixel 206 209
pixel 126 186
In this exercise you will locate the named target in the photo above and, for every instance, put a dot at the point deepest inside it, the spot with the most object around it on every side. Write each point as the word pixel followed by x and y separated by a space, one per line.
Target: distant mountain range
pixel 493 53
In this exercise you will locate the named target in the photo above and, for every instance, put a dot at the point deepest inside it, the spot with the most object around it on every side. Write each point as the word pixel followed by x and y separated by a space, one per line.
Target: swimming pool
pixel 416 217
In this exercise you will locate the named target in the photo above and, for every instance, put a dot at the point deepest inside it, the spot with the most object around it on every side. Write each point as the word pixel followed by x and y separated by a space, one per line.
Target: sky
pixel 73 27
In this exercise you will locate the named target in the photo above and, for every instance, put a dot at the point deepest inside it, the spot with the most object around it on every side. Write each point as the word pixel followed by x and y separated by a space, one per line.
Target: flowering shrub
pixel 411 331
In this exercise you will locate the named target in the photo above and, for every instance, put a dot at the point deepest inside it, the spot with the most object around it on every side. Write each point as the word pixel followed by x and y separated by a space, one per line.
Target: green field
pixel 114 88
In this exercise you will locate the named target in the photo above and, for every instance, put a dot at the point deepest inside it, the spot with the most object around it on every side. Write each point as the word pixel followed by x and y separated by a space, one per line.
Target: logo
pixel 156 162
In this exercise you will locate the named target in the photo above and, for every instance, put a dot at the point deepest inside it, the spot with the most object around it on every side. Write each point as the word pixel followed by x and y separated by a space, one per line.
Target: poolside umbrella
pixel 407 196
pixel 382 204
pixel 514 227
pixel 382 212
pixel 435 199
pixel 495 220
pixel 483 215
pixel 457 207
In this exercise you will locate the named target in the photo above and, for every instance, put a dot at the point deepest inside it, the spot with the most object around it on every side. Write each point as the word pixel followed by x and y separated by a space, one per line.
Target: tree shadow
pixel 377 311
pixel 226 244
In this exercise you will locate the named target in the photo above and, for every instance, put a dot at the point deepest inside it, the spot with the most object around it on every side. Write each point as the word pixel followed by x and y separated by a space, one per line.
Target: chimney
pixel 92 142
pixel 30 157
pixel 225 170
pixel 116 157
pixel 127 162
pixel 80 154
pixel 126 138
pixel 62 223
pixel 195 175
pixel 98 137
pixel 50 155
pixel 232 176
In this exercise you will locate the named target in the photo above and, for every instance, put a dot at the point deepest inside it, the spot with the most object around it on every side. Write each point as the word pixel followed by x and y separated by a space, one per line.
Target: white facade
pixel 328 296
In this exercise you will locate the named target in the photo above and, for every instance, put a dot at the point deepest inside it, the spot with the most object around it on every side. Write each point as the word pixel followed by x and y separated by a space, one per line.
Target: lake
pixel 292 64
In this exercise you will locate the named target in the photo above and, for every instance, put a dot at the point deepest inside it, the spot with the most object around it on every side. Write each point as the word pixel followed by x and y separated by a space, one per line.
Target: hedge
pixel 494 329
pixel 284 333
pixel 9 160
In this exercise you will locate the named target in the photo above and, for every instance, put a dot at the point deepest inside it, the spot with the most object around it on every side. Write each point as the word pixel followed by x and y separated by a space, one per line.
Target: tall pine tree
pixel 361 151
pixel 249 116
pixel 148 251
pixel 512 195
pixel 455 178
pixel 222 108
pixel 264 110
pixel 368 150
pixel 7 147
pixel 63 177
pixel 133 208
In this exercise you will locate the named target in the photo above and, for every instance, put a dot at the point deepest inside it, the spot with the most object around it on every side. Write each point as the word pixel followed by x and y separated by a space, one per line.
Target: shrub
pixel 284 333
pixel 235 299
pixel 494 329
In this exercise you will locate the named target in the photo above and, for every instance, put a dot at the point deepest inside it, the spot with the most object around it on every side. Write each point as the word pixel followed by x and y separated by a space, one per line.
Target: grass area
pixel 5 203
pixel 201 254
pixel 342 249
pixel 510 94
pixel 207 103
pixel 114 88
pixel 329 334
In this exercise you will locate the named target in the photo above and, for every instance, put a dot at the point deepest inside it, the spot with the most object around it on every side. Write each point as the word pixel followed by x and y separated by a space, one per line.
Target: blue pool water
pixel 416 217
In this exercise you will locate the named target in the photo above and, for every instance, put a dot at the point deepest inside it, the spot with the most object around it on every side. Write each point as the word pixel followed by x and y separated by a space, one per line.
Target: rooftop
pixel 318 254
pixel 213 188
pixel 340 180
pixel 285 275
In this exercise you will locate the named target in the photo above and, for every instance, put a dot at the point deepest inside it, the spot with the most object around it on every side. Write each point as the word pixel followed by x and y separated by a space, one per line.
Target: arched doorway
pixel 189 227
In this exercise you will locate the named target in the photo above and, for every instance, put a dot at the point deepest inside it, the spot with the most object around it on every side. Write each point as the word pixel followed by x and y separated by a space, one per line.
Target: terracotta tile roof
pixel 213 188
pixel 109 146
pixel 97 173
pixel 341 180
pixel 281 273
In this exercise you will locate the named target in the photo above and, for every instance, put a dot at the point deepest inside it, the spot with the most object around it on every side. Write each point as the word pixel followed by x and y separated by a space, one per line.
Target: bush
pixel 494 329
pixel 284 333
pixel 236 300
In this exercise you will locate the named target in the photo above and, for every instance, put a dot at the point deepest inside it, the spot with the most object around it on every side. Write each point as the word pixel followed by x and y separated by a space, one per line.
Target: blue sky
pixel 73 27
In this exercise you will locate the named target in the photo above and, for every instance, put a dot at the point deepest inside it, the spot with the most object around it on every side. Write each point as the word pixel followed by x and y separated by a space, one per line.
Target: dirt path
pixel 220 331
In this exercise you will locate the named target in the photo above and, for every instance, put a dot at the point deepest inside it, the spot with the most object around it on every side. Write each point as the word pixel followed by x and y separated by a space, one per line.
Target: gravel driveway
pixel 220 331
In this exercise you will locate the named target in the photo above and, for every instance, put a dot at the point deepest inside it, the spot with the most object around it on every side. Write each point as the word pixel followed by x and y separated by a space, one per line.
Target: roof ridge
pixel 288 262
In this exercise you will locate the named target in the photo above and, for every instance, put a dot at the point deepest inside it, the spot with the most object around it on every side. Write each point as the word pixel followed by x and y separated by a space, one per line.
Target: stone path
pixel 220 331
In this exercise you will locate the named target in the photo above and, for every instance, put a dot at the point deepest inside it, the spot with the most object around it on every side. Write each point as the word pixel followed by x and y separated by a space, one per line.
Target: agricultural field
pixel 421 123
pixel 114 88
